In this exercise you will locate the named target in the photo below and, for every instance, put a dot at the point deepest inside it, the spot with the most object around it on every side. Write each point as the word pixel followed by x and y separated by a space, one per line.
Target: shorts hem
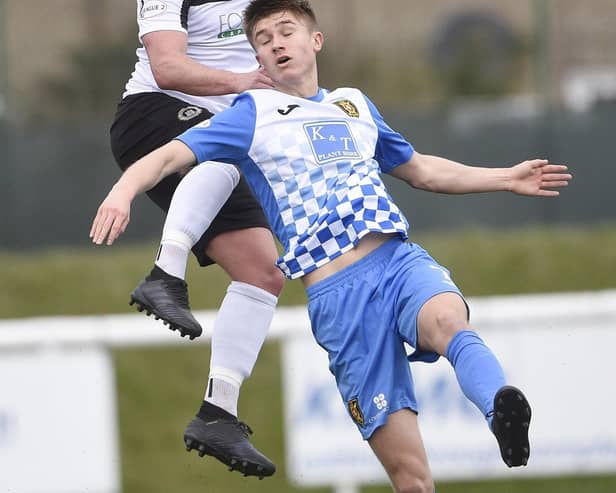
pixel 366 433
pixel 198 249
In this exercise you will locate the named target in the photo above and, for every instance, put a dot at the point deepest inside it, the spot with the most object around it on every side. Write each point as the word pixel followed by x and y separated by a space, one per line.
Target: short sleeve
pixel 392 149
pixel 159 15
pixel 225 137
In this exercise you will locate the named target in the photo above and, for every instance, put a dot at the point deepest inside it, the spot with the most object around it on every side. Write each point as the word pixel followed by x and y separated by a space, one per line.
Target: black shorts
pixel 144 122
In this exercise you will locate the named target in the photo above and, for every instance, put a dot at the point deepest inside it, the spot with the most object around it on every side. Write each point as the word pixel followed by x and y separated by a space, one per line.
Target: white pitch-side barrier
pixel 558 348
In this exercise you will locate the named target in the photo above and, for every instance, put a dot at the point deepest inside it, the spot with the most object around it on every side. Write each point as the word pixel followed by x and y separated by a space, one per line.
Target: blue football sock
pixel 479 373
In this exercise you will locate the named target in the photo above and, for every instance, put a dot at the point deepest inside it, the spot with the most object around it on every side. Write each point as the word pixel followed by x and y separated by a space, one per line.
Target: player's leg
pixel 248 256
pixel 239 332
pixel 399 447
pixel 246 312
pixel 240 241
pixel 353 317
pixel 442 328
pixel 142 124
pixel 192 206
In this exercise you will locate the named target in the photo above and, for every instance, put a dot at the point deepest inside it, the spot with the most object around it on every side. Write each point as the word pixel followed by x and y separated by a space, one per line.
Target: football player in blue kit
pixel 313 159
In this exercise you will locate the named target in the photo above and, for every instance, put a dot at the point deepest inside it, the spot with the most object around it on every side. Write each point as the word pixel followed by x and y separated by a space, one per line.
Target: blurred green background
pixel 487 83
pixel 159 389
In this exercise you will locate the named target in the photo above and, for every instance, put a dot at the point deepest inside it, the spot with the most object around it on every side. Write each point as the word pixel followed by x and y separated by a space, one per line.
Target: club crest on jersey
pixel 331 141
pixel 355 412
pixel 348 107
pixel 189 112
pixel 152 8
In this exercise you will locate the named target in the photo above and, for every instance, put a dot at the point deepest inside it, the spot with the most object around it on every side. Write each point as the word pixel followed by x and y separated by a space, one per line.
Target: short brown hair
pixel 260 9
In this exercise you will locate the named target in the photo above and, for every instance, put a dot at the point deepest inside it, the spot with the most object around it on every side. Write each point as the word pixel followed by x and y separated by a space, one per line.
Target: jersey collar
pixel 318 97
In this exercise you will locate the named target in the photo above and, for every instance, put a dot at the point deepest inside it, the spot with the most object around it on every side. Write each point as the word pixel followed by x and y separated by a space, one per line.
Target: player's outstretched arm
pixel 537 177
pixel 113 214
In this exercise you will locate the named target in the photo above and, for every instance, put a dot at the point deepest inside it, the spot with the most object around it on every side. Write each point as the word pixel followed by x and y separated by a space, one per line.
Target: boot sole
pixel 510 424
pixel 244 466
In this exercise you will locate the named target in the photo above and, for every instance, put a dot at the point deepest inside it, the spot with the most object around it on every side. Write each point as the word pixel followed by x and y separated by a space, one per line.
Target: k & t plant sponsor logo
pixel 331 141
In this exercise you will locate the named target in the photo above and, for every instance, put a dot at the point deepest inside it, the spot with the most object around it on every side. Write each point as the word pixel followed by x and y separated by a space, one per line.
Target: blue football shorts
pixel 363 315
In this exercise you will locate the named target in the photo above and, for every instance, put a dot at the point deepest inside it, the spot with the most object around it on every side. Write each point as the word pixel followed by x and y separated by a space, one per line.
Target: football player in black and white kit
pixel 193 60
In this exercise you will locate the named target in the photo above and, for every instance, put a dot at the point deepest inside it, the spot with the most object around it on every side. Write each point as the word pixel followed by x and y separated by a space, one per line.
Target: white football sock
pixel 239 332
pixel 195 203
pixel 223 390
pixel 173 254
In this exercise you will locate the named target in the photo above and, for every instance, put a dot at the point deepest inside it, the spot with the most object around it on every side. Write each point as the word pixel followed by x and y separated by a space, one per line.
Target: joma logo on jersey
pixel 331 141
pixel 230 25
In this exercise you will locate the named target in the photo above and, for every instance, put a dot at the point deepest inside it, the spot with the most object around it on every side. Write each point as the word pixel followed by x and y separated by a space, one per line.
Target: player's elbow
pixel 173 157
pixel 164 75
pixel 421 182
pixel 421 179
pixel 416 172
pixel 163 81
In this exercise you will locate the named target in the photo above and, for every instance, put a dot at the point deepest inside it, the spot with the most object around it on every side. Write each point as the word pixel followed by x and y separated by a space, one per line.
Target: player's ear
pixel 317 41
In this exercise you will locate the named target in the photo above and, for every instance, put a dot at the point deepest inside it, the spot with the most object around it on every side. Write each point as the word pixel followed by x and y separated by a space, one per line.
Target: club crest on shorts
pixel 189 112
pixel 356 413
pixel 348 107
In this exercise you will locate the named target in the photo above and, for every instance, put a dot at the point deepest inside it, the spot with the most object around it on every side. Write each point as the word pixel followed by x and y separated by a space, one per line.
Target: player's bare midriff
pixel 366 245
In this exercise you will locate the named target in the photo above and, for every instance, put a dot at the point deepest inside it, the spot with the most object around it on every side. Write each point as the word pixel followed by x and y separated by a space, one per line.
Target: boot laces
pixel 245 429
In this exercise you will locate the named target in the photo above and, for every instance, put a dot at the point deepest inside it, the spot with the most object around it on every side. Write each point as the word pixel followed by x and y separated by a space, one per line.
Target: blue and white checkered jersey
pixel 314 164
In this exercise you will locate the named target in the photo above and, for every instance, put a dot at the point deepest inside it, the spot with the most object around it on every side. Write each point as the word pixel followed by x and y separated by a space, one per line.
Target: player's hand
pixel 538 177
pixel 111 219
pixel 257 79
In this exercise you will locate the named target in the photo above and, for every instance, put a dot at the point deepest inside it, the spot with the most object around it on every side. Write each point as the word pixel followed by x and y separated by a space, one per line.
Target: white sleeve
pixel 159 15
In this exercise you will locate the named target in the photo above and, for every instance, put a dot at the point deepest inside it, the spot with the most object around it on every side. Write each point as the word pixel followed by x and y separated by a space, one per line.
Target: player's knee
pixel 443 313
pixel 263 275
pixel 414 484
pixel 272 280
pixel 410 475
pixel 448 320
pixel 436 330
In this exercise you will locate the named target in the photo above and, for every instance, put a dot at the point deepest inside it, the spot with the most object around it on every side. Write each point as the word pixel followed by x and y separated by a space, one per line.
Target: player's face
pixel 286 46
